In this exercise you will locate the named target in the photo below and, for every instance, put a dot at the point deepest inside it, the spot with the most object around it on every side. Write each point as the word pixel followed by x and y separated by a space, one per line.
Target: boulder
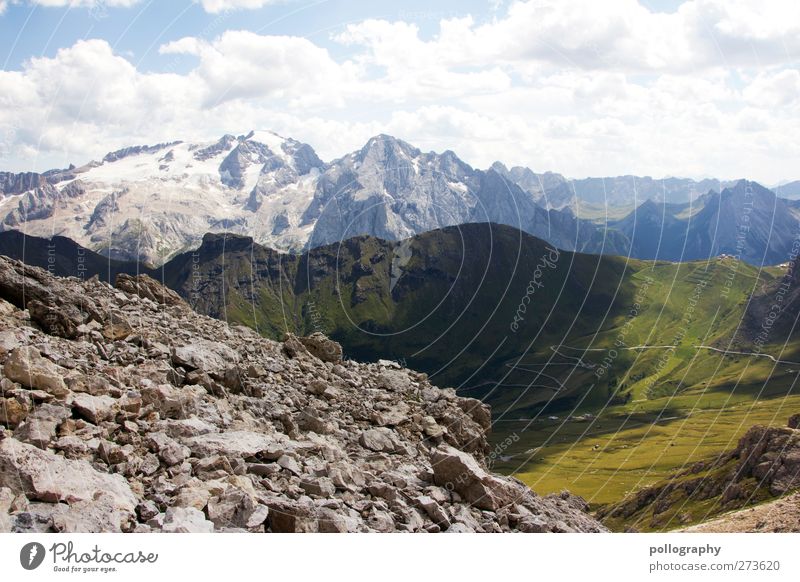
pixel 12 412
pixel 330 521
pixel 171 402
pixel 460 472
pixel 168 450
pixel 39 429
pixel 100 515
pixel 9 340
pixel 186 427
pixel 196 497
pixel 116 329
pixel 286 516
pixel 394 380
pixel 431 428
pixel 381 440
pixel 147 288
pixel 434 511
pixel 94 409
pixel 323 348
pixel 28 367
pixel 320 486
pixel 45 476
pixel 186 520
pixel 393 416
pixel 311 419
pixel 211 357
pixel 235 444
pixel 235 508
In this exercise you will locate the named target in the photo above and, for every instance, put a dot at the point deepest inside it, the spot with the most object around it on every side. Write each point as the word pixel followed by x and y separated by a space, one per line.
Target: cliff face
pixel 764 465
pixel 124 410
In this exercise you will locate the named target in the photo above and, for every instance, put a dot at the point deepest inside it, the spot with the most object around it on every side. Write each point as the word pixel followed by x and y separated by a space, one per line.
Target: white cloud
pixel 217 6
pixel 710 89
pixel 610 35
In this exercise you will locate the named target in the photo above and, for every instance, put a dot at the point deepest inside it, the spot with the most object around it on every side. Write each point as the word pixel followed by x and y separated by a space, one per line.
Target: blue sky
pixel 29 30
pixel 696 88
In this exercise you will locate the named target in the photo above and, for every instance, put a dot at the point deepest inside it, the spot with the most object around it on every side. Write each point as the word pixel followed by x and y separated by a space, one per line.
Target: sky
pixel 701 88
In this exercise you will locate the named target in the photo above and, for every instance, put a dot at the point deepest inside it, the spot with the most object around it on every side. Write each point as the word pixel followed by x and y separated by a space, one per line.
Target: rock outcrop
pixel 124 410
pixel 764 465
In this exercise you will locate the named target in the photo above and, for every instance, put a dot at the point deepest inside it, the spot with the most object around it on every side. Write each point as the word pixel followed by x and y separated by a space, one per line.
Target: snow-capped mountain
pixel 154 201
pixel 151 202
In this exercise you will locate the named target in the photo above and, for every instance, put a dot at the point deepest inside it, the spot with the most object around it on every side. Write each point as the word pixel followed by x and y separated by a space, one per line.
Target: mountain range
pixel 612 372
pixel 150 203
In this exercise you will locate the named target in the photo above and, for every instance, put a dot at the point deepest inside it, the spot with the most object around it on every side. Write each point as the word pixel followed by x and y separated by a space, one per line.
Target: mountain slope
pixel 142 416
pixel 764 465
pixel 745 220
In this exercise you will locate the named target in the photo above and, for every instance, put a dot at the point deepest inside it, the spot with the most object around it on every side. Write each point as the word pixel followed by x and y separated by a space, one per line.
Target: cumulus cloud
pixel 616 34
pixel 217 6
pixel 241 64
pixel 709 89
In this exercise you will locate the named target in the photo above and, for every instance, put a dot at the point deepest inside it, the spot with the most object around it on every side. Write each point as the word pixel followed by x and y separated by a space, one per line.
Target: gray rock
pixel 235 444
pixel 209 356
pixel 434 511
pixel 186 520
pixel 381 440
pixel 95 409
pixel 234 508
pixel 44 476
pixel 323 348
pixel 320 486
pixel 37 431
pixel 27 366
pixel 460 472
pixel 168 450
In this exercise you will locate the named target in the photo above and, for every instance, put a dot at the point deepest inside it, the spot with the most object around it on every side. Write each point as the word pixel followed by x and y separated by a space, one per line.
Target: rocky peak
pixel 136 150
pixel 387 149
pixel 124 410
pixel 215 244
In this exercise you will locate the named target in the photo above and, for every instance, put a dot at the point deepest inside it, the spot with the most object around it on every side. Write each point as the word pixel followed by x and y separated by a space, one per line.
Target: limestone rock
pixel 235 444
pixel 147 287
pixel 379 440
pixel 44 476
pixel 27 366
pixel 186 520
pixel 94 409
pixel 323 348
pixel 12 412
pixel 39 428
pixel 460 472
